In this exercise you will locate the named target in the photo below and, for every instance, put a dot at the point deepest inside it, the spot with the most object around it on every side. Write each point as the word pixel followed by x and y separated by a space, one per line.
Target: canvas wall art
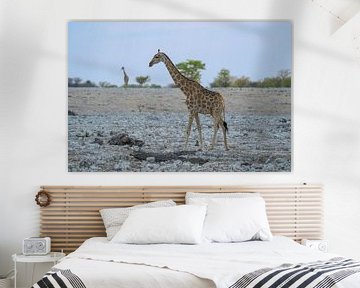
pixel 179 96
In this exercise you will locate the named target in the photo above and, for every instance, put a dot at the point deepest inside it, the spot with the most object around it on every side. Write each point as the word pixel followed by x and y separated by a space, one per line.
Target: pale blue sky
pixel 256 49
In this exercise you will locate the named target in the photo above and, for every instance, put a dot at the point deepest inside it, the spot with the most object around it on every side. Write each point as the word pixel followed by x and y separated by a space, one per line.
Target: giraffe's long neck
pixel 124 73
pixel 175 74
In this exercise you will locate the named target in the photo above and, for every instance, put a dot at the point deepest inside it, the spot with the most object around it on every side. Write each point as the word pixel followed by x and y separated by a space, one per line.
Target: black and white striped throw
pixel 320 274
pixel 59 278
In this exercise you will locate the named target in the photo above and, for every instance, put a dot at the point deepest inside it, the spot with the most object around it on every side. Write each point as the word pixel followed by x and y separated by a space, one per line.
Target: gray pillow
pixel 204 198
pixel 113 218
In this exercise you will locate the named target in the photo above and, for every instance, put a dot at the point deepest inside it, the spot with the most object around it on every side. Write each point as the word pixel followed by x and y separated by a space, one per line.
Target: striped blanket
pixel 59 278
pixel 320 274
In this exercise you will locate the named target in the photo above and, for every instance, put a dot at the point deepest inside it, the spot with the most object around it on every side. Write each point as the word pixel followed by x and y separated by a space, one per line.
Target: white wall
pixel 33 116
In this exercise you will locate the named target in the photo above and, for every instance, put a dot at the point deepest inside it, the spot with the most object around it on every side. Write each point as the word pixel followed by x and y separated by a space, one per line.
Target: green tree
pixel 88 83
pixel 155 86
pixel 283 74
pixel 142 80
pixel 223 79
pixel 77 81
pixel 243 81
pixel 70 82
pixel 105 84
pixel 270 82
pixel 191 69
pixel 285 77
pixel 287 82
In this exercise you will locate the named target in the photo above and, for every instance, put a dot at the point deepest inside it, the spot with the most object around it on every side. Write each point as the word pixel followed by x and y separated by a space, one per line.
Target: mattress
pixel 99 263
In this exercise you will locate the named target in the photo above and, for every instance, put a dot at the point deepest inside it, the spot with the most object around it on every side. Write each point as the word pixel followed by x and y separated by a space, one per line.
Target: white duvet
pixel 100 263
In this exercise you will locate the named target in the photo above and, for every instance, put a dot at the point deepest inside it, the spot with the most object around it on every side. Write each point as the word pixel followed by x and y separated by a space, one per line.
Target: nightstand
pixel 53 257
pixel 320 245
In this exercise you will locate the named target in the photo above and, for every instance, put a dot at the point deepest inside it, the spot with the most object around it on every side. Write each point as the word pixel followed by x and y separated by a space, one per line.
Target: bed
pixel 99 263
pixel 294 211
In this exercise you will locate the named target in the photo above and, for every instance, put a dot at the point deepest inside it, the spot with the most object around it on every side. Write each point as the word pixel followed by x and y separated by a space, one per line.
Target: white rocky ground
pixel 258 141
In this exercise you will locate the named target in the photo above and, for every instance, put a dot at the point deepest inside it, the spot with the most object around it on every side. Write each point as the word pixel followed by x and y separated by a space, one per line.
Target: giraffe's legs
pixel 188 130
pixel 216 128
pixel 216 138
pixel 218 122
pixel 224 133
pixel 197 119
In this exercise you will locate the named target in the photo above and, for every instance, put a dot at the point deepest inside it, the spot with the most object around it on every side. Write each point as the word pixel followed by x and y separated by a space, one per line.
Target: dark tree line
pixel 224 79
pixel 141 80
pixel 192 69
pixel 78 82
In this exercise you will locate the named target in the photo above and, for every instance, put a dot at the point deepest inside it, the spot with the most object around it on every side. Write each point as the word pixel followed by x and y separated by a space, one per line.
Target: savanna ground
pixel 142 129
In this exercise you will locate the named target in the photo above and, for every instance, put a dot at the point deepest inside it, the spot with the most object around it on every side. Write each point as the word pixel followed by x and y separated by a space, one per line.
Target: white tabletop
pixel 51 257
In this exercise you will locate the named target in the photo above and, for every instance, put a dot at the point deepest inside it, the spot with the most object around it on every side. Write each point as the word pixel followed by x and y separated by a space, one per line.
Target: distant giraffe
pixel 198 100
pixel 126 77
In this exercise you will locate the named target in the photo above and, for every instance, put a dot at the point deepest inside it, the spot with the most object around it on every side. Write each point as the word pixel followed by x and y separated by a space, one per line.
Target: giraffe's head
pixel 156 59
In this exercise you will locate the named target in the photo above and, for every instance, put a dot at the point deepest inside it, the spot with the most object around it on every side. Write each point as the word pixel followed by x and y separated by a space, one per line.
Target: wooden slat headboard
pixel 73 215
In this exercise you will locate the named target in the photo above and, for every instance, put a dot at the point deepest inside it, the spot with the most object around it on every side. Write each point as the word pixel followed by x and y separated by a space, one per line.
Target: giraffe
pixel 126 77
pixel 198 100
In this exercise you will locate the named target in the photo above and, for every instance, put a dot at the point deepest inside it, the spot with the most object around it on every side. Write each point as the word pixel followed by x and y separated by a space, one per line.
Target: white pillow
pixel 236 220
pixel 113 218
pixel 180 224
pixel 204 198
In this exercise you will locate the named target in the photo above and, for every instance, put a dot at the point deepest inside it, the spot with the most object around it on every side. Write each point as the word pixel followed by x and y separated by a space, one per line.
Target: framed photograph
pixel 187 96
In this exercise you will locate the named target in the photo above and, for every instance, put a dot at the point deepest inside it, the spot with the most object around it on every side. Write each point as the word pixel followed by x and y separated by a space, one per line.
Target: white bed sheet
pixel 100 263
pixel 101 274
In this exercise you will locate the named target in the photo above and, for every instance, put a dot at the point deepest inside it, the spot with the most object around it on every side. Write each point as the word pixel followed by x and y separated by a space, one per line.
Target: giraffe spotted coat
pixel 198 100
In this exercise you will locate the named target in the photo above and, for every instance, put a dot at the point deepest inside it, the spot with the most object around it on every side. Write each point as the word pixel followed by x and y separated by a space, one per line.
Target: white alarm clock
pixel 320 245
pixel 36 246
